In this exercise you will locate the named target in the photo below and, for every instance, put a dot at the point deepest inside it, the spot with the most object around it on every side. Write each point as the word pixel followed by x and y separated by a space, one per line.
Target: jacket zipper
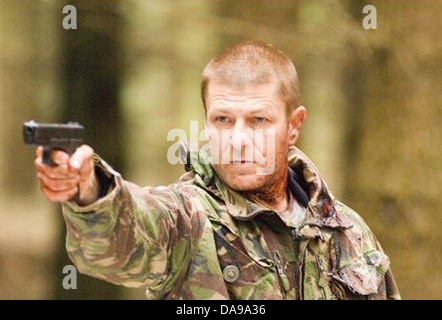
pixel 300 246
pixel 283 279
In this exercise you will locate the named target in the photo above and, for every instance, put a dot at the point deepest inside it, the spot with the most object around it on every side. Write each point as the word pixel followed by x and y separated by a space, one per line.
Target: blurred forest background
pixel 131 72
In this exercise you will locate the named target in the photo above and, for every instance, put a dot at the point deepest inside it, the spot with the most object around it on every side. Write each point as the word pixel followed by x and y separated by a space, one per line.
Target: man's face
pixel 249 134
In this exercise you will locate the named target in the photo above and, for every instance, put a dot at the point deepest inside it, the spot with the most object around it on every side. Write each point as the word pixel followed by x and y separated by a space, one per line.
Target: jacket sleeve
pixel 132 236
pixel 388 289
pixel 364 267
pixel 391 289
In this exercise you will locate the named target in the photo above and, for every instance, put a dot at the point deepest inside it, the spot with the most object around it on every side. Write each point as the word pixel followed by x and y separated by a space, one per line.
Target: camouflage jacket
pixel 198 239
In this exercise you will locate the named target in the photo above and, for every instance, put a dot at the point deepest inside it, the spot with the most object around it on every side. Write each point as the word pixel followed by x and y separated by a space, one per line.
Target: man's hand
pixel 71 176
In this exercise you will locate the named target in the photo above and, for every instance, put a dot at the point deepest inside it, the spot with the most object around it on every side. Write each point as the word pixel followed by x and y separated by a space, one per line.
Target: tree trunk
pixel 92 70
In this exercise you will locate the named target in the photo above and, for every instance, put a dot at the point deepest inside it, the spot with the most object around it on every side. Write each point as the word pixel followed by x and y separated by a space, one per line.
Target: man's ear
pixel 295 123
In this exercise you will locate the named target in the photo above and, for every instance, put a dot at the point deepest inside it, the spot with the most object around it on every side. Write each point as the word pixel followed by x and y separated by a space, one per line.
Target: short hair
pixel 253 63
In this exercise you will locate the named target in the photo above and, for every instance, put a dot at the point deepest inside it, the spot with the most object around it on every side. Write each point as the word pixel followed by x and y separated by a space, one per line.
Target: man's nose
pixel 240 136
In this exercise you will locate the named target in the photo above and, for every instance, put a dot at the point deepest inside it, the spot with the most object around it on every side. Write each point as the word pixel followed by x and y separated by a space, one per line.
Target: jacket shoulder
pixel 359 226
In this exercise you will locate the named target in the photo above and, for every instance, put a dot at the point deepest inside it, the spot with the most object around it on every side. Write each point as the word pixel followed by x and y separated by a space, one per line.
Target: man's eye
pixel 222 119
pixel 260 120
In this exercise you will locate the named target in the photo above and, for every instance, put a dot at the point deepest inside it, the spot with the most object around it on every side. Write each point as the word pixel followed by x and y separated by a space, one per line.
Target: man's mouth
pixel 242 162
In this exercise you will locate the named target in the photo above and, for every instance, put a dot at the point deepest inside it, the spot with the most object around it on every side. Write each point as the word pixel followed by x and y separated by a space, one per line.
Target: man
pixel 226 229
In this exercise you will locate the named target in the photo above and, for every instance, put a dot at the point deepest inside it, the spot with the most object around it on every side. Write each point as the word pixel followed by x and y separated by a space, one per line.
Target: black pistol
pixel 53 136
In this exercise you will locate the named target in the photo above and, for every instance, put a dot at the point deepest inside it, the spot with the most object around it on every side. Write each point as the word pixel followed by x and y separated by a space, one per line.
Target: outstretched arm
pixel 130 235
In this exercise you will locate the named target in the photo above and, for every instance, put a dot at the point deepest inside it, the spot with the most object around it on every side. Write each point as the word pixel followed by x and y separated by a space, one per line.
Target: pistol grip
pixel 47 160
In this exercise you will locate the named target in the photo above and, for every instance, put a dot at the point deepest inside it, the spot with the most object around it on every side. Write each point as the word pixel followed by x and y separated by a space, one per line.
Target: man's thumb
pixel 82 154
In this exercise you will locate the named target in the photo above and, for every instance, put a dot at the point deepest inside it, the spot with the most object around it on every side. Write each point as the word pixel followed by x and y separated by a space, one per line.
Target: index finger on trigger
pixel 39 152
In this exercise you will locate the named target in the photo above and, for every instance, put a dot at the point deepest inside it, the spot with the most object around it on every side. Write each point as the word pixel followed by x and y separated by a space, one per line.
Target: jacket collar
pixel 321 205
pixel 305 183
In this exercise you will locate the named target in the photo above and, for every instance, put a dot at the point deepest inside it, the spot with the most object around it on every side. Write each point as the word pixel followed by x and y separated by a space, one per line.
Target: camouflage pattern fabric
pixel 198 239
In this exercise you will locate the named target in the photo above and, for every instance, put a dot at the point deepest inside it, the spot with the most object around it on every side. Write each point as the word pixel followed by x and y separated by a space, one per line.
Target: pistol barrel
pixel 52 134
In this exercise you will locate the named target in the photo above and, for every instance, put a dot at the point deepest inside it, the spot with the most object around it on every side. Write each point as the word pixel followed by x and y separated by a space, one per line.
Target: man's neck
pixel 274 197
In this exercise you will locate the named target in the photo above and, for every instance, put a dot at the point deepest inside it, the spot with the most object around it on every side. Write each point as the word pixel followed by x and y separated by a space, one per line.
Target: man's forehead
pixel 222 91
pixel 259 107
